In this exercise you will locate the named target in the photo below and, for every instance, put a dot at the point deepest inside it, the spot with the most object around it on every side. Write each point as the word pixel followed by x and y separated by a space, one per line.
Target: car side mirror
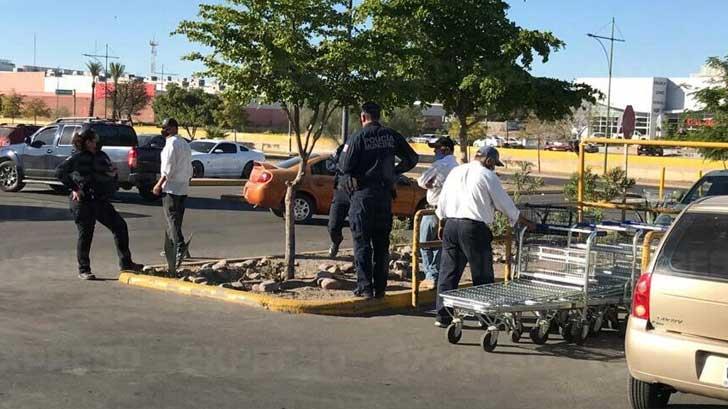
pixel 27 140
pixel 218 151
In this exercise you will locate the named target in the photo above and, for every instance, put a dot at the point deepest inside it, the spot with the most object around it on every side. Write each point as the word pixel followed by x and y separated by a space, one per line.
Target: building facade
pixel 658 102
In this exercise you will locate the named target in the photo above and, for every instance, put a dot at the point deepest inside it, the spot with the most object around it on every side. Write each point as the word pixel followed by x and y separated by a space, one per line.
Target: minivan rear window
pixel 697 245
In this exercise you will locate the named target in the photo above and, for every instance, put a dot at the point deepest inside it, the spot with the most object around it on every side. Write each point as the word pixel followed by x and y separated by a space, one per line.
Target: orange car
pixel 267 188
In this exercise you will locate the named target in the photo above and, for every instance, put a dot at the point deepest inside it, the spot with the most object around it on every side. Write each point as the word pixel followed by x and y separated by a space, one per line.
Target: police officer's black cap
pixel 170 123
pixel 372 108
pixel 441 142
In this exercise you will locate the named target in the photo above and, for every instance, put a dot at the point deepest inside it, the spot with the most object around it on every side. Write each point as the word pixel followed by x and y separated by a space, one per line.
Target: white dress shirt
pixel 436 174
pixel 474 192
pixel 176 166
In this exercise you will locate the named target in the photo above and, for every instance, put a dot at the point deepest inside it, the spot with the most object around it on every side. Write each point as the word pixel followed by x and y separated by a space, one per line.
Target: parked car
pixel 558 146
pixel 648 150
pixel 15 134
pixel 495 141
pixel 714 183
pixel 267 188
pixel 223 159
pixel 35 160
pixel 591 148
pixel 677 333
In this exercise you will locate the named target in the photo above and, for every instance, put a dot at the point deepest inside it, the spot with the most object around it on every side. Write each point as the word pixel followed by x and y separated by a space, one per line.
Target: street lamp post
pixel 610 59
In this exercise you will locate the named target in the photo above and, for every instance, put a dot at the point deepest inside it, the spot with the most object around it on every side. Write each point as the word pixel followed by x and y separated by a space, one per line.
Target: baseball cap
pixel 170 122
pixel 490 152
pixel 442 141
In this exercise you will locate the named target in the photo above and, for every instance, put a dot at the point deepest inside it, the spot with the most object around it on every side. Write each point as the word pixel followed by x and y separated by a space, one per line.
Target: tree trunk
pixel 290 255
pixel 93 99
pixel 463 138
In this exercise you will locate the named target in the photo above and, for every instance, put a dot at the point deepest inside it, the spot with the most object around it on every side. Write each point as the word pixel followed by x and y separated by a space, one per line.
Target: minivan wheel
pixel 643 395
pixel 10 180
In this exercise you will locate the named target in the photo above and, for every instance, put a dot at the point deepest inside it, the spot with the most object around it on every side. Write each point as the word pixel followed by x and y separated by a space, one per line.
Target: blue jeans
pixel 430 257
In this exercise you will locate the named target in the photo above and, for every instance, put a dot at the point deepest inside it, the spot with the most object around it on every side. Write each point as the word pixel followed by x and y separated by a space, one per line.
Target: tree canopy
pixel 35 108
pixel 131 97
pixel 12 105
pixel 472 58
pixel 715 104
pixel 192 108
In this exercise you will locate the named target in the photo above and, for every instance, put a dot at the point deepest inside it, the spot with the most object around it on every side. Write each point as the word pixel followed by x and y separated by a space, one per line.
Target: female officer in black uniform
pixel 90 176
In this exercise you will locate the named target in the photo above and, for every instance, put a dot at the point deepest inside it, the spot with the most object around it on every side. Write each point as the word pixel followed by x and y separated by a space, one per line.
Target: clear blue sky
pixel 664 38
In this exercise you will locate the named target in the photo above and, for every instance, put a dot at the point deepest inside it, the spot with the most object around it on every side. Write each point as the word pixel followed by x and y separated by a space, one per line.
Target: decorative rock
pixel 249 263
pixel 323 274
pixel 394 256
pixel 226 285
pixel 200 280
pixel 334 269
pixel 348 268
pixel 331 284
pixel 406 249
pixel 237 285
pixel 265 261
pixel 148 269
pixel 220 265
pixel 253 275
pixel 326 267
pixel 268 286
pixel 207 266
pixel 291 284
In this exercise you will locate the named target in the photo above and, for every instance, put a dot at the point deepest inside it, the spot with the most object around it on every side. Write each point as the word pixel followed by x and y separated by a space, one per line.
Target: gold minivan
pixel 677 334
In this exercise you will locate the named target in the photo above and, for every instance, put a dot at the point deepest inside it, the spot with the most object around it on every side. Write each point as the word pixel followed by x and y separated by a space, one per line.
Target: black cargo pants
pixel 370 219
pixel 337 215
pixel 174 213
pixel 464 241
pixel 86 214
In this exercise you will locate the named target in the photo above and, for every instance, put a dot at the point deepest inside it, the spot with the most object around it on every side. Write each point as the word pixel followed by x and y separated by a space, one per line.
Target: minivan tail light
pixel 132 157
pixel 641 297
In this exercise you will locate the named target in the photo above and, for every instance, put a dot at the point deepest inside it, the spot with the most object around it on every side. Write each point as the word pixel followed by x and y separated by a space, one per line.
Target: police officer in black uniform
pixel 91 177
pixel 339 205
pixel 369 172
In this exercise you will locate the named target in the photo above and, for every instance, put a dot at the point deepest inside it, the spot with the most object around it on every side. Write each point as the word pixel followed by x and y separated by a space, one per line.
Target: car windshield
pixel 697 245
pixel 202 147
pixel 708 186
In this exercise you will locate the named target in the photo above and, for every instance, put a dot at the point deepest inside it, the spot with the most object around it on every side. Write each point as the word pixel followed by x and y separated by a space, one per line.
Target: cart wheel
pixel 580 332
pixel 566 332
pixel 454 333
pixel 489 340
pixel 517 333
pixel 539 334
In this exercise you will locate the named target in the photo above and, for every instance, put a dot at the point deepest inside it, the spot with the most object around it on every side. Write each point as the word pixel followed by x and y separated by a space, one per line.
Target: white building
pixel 657 101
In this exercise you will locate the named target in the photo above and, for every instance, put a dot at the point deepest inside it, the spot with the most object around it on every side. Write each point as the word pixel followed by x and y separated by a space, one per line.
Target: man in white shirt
pixel 432 180
pixel 176 172
pixel 466 208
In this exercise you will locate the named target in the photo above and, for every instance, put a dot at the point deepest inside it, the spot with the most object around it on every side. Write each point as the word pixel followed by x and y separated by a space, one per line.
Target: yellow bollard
pixel 662 184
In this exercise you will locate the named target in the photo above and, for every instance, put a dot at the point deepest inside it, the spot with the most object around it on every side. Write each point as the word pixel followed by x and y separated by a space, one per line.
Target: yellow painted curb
pixel 347 307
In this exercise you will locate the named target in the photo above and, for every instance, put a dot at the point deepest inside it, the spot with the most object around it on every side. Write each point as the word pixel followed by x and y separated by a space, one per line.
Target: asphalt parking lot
pixel 65 343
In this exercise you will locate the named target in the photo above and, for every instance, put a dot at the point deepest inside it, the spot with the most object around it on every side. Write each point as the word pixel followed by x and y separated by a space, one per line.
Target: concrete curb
pixel 347 307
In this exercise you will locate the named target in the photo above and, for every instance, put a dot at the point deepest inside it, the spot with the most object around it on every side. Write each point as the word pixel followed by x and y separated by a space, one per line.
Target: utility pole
pixel 106 57
pixel 345 109
pixel 610 60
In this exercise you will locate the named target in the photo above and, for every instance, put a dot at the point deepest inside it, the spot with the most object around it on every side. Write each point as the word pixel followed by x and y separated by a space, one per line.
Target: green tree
pixel 94 68
pixel 116 71
pixel 193 108
pixel 232 113
pixel 36 107
pixel 469 56
pixel 12 106
pixel 715 104
pixel 407 120
pixel 299 53
pixel 131 98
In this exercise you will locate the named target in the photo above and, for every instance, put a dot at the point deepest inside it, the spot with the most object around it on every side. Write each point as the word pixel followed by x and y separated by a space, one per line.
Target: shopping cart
pixel 572 277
